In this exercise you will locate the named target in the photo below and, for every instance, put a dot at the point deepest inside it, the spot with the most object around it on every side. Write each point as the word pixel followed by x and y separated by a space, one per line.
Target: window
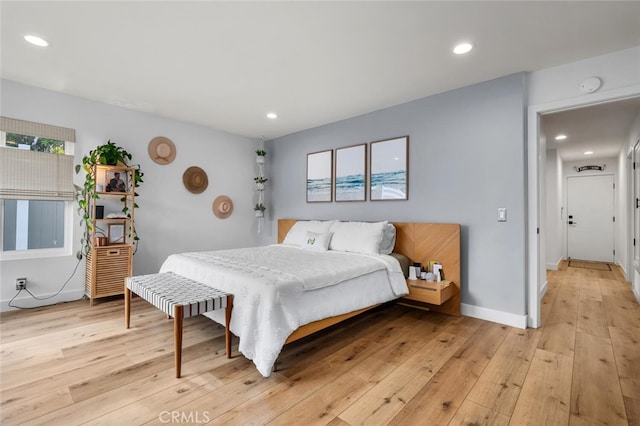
pixel 33 224
pixel 34 143
pixel 36 189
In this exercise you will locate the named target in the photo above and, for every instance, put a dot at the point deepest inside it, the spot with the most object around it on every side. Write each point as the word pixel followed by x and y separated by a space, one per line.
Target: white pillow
pixel 315 241
pixel 358 237
pixel 298 232
pixel 388 242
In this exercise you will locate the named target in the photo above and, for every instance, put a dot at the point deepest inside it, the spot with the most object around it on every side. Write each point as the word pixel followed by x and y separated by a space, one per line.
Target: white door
pixel 636 205
pixel 590 218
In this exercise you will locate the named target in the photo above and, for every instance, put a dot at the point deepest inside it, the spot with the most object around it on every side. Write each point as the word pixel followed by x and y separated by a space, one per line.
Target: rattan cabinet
pixel 111 239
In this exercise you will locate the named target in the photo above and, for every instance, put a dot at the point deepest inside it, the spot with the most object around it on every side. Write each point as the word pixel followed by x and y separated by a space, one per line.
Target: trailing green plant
pixel 260 179
pixel 261 152
pixel 260 207
pixel 108 154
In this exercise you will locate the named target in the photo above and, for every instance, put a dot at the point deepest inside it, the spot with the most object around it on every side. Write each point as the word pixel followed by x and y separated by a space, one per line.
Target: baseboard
pixel 554 266
pixel 513 320
pixel 624 271
pixel 26 301
pixel 543 290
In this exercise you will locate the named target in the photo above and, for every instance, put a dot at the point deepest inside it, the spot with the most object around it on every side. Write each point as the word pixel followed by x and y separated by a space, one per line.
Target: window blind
pixel 31 175
pixel 30 128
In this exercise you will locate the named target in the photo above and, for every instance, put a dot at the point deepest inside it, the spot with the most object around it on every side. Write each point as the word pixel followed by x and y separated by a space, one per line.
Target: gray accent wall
pixel 467 159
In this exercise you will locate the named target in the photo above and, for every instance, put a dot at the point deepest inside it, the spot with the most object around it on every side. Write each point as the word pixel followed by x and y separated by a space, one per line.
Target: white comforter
pixel 269 284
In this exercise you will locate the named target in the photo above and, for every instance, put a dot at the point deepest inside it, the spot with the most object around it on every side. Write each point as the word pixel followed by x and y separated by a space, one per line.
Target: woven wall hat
pixel 162 150
pixel 195 180
pixel 222 207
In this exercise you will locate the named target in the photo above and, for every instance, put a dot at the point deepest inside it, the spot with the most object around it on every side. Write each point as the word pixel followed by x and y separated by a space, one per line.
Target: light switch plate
pixel 502 214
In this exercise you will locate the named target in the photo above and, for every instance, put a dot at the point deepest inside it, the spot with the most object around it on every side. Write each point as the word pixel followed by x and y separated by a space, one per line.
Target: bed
pixel 277 300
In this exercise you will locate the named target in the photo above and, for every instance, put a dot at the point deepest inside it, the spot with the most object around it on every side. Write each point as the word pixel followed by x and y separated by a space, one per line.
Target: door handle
pixel 572 222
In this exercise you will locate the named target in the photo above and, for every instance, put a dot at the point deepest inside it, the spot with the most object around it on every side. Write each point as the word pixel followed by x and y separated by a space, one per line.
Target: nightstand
pixel 432 292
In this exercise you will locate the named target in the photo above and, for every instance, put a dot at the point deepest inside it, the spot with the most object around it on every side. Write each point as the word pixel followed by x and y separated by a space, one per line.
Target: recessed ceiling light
pixel 272 115
pixel 588 153
pixel 36 40
pixel 561 137
pixel 462 48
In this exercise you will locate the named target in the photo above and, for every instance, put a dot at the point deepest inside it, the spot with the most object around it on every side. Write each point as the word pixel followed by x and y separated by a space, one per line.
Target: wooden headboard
pixel 422 242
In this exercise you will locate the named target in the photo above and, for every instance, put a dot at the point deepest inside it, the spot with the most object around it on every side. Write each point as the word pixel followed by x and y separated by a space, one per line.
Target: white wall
pixel 633 269
pixel 624 238
pixel 466 160
pixel 554 210
pixel 170 219
pixel 616 70
pixel 623 194
pixel 568 167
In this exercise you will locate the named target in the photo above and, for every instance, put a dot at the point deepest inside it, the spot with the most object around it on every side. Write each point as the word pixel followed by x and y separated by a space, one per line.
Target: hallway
pixel 591 333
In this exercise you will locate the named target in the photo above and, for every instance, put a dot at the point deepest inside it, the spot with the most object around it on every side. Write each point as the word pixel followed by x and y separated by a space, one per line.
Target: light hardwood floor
pixel 74 364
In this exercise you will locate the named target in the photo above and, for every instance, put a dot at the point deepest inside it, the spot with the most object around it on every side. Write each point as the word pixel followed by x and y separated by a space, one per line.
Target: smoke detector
pixel 590 85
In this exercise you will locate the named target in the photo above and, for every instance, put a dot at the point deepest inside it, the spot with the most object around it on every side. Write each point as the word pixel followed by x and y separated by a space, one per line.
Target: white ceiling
pixel 226 64
pixel 603 129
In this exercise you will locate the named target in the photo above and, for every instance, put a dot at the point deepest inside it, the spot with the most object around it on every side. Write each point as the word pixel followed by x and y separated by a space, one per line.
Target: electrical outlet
pixel 21 283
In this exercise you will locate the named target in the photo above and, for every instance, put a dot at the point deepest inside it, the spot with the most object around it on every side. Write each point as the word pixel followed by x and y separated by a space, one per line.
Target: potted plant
pixel 260 182
pixel 260 156
pixel 106 154
pixel 259 209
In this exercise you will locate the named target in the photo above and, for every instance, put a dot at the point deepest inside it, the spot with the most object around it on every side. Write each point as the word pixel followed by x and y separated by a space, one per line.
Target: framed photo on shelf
pixel 116 181
pixel 320 177
pixel 351 172
pixel 115 233
pixel 389 169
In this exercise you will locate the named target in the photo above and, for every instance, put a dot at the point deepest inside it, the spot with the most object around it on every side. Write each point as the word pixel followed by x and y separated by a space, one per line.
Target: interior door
pixel 636 206
pixel 590 227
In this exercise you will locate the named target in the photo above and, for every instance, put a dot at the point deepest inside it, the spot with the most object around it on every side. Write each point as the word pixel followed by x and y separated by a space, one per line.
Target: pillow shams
pixel 298 232
pixel 318 242
pixel 357 237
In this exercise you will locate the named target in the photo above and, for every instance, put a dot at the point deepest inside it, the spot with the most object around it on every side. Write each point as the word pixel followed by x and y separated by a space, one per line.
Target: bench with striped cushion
pixel 181 298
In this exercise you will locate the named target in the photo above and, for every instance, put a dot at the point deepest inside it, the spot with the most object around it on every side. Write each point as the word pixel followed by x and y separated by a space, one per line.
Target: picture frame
pixel 115 233
pixel 351 173
pixel 320 177
pixel 389 169
pixel 116 181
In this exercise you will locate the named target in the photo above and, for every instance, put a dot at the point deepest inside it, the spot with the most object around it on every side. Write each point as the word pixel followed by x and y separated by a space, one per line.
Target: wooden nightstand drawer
pixel 434 293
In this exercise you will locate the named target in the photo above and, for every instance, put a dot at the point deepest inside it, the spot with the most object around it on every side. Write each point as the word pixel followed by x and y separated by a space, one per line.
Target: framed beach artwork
pixel 389 169
pixel 351 172
pixel 320 177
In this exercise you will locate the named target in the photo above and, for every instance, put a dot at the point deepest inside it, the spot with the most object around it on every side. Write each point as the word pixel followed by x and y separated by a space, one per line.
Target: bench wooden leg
pixel 177 337
pixel 127 306
pixel 227 321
